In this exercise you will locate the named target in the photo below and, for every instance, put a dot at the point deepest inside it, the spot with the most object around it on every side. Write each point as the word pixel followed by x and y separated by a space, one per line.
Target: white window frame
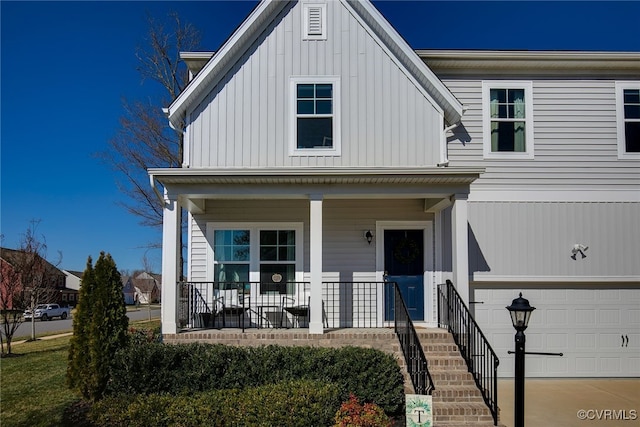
pixel 306 9
pixel 254 245
pixel 336 149
pixel 620 119
pixel 487 85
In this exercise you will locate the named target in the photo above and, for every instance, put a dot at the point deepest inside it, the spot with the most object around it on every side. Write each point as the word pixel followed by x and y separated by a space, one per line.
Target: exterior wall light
pixel 369 236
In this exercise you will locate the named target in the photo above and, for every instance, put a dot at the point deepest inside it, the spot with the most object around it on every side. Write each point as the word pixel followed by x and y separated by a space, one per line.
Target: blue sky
pixel 66 65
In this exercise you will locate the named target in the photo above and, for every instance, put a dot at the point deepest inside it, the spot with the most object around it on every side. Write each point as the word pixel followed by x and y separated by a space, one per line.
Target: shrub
pixel 292 403
pixel 157 368
pixel 353 414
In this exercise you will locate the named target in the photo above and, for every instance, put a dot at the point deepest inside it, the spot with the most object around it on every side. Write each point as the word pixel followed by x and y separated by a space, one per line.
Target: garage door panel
pixel 586 324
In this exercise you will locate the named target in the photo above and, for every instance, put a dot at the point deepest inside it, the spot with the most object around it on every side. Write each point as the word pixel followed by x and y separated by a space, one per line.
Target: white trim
pixel 487 85
pixel 430 305
pixel 186 142
pixel 620 119
pixel 335 150
pixel 594 196
pixel 254 245
pixel 306 19
pixel 479 277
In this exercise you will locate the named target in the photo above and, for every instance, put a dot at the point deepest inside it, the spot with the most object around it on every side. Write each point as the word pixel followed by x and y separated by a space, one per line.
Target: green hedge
pixel 153 368
pixel 298 403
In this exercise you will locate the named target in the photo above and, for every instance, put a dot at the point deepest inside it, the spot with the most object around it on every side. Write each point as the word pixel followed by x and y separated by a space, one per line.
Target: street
pixel 58 325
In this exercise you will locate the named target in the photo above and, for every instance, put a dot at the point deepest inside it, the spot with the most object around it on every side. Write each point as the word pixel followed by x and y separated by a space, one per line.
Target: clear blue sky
pixel 66 65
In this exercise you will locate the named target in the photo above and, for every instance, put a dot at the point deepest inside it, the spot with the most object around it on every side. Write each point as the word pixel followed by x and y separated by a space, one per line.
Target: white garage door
pixel 598 330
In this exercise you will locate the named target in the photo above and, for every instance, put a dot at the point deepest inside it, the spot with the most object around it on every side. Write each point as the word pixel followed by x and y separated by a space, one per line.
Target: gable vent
pixel 315 21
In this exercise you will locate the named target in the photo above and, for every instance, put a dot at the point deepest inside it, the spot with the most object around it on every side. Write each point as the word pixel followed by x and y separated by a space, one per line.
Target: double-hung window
pixel 507 119
pixel 628 119
pixel 315 117
pixel 268 253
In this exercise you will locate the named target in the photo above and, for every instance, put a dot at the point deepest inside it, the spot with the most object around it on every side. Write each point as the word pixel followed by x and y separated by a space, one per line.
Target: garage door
pixel 598 330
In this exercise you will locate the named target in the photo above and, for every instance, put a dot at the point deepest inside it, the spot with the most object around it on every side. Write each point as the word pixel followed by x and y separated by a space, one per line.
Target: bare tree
pixel 144 139
pixel 28 279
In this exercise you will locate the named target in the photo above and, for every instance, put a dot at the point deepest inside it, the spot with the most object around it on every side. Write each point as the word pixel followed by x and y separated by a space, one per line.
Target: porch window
pixel 231 255
pixel 315 116
pixel 277 261
pixel 508 124
pixel 628 118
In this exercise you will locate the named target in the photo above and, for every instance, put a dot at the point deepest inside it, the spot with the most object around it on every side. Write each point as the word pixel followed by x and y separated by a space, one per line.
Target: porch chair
pixel 229 303
pixel 297 310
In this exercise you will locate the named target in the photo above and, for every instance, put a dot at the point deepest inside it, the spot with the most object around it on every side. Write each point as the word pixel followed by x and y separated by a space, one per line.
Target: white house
pixel 321 150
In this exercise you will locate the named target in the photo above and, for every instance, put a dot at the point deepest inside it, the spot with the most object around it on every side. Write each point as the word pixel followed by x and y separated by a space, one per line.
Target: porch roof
pixel 284 175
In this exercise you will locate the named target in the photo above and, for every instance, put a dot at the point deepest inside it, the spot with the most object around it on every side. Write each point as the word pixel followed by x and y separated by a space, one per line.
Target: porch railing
pixel 411 347
pixel 277 305
pixel 474 347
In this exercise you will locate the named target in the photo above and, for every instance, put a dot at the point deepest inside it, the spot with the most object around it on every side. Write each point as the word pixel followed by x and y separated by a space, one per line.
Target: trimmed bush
pixel 298 403
pixel 176 369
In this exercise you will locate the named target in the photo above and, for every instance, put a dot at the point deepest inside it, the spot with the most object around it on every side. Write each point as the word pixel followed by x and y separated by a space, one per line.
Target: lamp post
pixel 520 312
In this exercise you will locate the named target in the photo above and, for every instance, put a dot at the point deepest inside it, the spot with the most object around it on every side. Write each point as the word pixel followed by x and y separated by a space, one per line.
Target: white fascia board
pixel 452 107
pixel 297 171
pixel 211 71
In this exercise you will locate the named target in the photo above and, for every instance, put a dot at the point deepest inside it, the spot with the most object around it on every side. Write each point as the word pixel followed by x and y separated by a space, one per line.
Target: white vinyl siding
pixel 386 121
pixel 627 107
pixel 576 144
pixel 532 241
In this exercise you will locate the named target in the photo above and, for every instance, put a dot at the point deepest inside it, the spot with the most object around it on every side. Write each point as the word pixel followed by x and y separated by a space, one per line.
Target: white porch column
pixel 170 261
pixel 460 246
pixel 315 265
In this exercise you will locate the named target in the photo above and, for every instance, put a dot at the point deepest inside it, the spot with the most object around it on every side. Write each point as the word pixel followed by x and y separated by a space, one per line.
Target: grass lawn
pixel 33 391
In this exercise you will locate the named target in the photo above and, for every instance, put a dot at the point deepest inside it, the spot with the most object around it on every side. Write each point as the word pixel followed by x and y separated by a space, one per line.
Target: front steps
pixel 457 401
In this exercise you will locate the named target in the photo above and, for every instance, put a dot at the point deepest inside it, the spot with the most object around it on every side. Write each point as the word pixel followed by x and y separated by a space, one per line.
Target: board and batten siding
pixel 532 241
pixel 575 139
pixel 244 120
pixel 346 254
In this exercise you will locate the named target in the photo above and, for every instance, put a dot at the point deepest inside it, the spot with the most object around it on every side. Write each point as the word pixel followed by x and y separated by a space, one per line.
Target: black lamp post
pixel 520 312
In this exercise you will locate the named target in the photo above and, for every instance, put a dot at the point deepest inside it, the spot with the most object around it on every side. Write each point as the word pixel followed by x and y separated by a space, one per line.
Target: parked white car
pixel 48 312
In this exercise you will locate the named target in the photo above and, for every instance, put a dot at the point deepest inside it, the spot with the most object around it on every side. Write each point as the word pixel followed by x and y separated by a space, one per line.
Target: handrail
pixel 474 347
pixel 411 347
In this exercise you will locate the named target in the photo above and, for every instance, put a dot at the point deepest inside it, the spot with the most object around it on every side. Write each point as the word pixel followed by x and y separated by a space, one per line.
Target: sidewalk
pixel 46 337
pixel 559 402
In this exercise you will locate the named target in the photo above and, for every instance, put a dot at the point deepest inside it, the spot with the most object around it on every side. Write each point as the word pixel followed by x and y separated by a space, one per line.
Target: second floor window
pixel 507 122
pixel 628 112
pixel 315 121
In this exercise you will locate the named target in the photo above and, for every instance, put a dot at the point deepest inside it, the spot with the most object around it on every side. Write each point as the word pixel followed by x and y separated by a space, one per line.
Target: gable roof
pixel 15 257
pixel 262 16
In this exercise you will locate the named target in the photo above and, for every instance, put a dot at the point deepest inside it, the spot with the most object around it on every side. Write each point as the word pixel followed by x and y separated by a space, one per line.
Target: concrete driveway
pixel 574 402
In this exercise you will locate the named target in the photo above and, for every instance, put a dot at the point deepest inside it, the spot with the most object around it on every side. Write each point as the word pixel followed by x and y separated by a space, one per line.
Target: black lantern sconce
pixel 369 236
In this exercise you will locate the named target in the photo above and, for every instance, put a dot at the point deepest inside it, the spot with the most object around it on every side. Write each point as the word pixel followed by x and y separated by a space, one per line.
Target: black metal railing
pixel 277 305
pixel 411 347
pixel 474 347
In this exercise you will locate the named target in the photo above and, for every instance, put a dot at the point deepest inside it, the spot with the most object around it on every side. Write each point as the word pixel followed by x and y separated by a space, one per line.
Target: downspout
pixel 445 146
pixel 152 181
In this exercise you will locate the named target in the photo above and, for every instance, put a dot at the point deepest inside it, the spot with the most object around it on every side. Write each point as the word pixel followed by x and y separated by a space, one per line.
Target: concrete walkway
pixel 574 402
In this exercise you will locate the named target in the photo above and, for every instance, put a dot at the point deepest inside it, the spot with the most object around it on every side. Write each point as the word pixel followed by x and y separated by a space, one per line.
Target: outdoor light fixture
pixel 578 249
pixel 520 312
pixel 369 236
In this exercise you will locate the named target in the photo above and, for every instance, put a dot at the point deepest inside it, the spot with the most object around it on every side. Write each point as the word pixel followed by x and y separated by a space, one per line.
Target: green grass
pixel 32 383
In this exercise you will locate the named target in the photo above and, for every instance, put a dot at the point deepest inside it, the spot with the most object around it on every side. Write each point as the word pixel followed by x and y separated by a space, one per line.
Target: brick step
pixel 465 412
pixel 446 362
pixel 458 393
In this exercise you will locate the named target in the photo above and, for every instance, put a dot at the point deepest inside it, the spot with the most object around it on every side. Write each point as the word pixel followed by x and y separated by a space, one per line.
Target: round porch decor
pixel 406 251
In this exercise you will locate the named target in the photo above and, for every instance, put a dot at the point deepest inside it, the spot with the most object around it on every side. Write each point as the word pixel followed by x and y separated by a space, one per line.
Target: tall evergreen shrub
pixel 103 330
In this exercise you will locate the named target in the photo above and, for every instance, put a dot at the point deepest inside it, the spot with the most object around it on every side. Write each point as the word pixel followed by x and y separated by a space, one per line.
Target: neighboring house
pixel 10 259
pixel 321 148
pixel 142 288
